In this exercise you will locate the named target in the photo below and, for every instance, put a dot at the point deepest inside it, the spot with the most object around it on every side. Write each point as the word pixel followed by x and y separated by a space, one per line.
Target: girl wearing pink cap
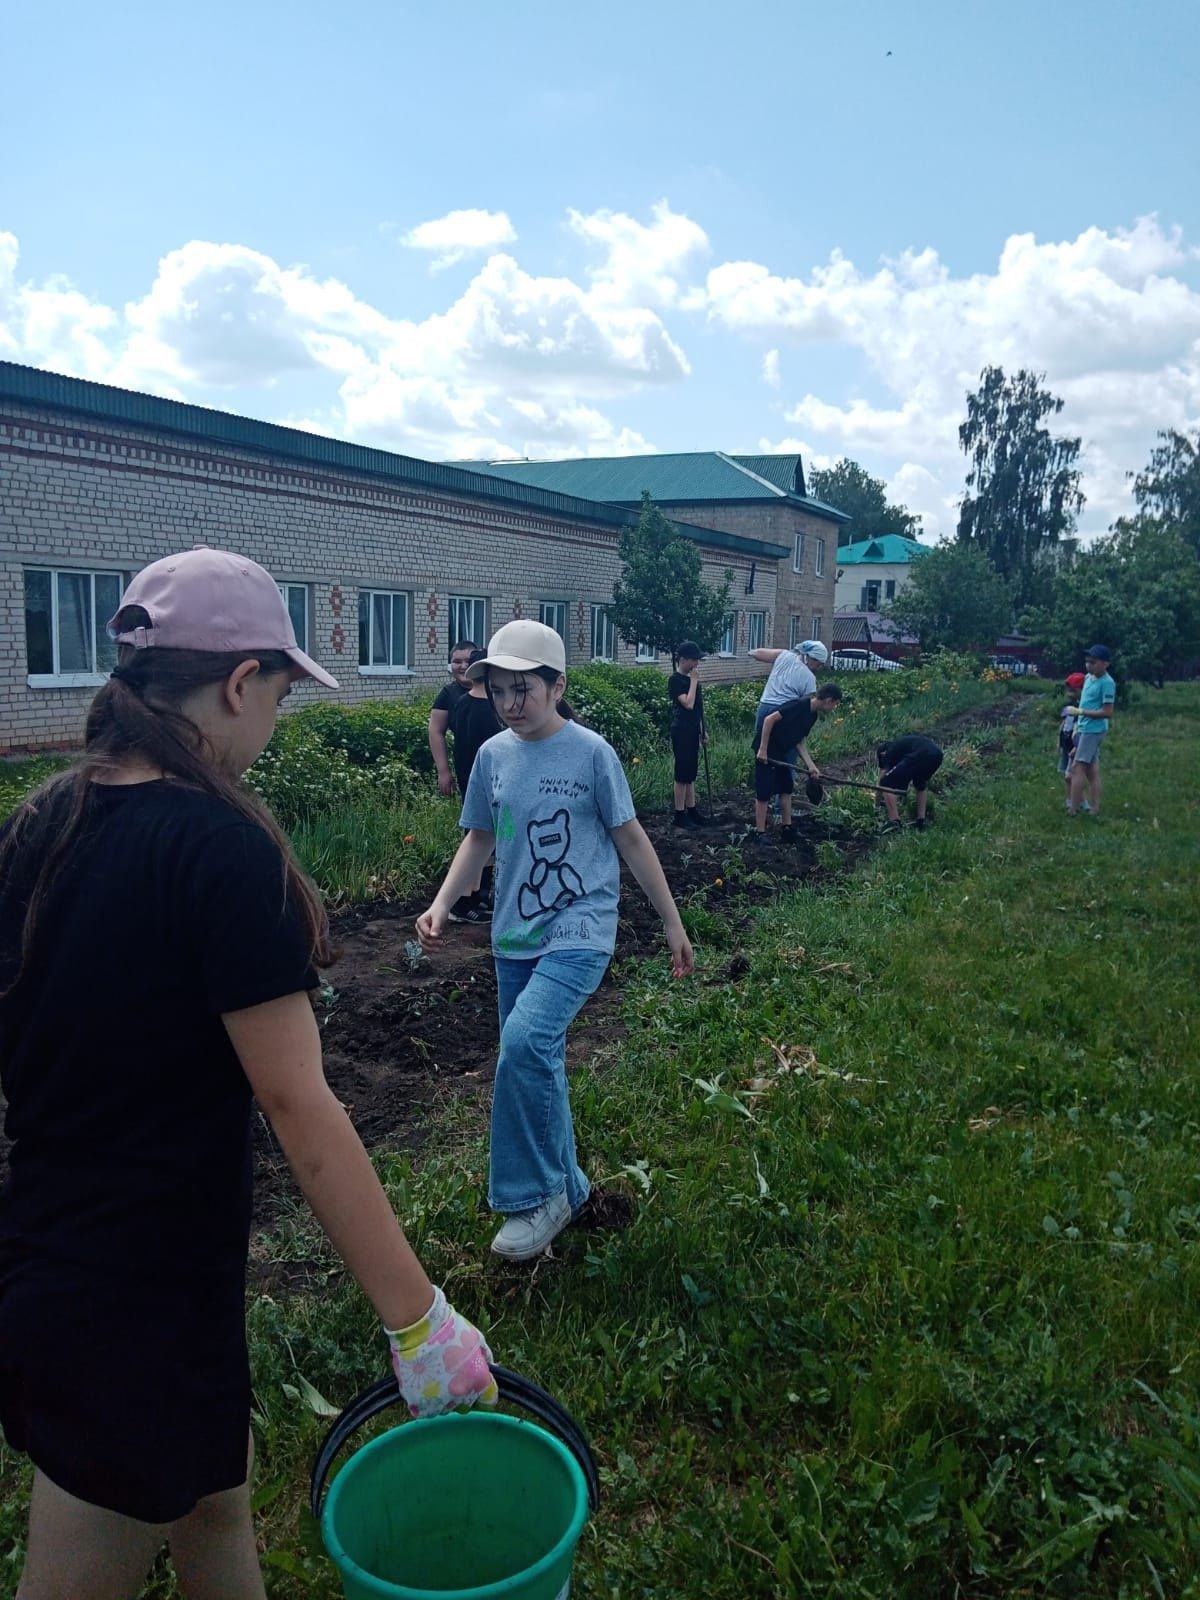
pixel 157 948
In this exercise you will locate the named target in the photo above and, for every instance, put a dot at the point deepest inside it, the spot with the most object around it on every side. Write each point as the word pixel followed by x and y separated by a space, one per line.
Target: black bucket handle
pixel 555 1418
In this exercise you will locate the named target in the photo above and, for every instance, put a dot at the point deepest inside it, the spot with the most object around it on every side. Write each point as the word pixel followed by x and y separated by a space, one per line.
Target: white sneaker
pixel 531 1233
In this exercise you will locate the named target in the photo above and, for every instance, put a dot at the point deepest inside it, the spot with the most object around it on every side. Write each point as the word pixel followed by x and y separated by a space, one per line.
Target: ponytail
pixel 138 716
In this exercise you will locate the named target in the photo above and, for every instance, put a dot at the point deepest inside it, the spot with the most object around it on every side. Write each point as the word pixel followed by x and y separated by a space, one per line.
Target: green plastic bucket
pixel 459 1507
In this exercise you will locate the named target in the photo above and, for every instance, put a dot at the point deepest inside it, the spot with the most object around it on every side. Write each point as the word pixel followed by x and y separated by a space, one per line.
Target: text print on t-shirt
pixel 552 884
pixel 569 788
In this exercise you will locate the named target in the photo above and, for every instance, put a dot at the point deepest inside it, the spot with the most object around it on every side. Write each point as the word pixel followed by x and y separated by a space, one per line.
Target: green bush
pixel 645 687
pixel 300 774
pixel 378 730
pixel 605 707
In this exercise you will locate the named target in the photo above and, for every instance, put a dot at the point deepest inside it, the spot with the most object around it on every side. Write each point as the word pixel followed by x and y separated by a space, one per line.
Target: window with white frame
pixel 554 614
pixel 647 655
pixel 728 644
pixel 819 558
pixel 468 619
pixel 756 630
pixel 818 623
pixel 798 554
pixel 889 588
pixel 604 635
pixel 295 598
pixel 795 631
pixel 66 617
pixel 383 623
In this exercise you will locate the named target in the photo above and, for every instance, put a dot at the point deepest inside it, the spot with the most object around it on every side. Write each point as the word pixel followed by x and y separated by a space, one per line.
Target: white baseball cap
pixel 522 646
pixel 815 649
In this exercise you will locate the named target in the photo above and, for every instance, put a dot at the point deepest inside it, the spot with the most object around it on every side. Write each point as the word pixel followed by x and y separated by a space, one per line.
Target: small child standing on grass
pixel 782 731
pixel 551 800
pixel 1094 713
pixel 686 695
pixel 157 949
pixel 1067 719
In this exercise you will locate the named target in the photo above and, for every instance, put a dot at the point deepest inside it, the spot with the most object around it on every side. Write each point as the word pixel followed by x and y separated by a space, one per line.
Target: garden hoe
pixel 814 788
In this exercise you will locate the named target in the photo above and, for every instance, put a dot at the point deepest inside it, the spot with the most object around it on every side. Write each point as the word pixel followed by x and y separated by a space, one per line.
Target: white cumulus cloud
pixel 1110 317
pixel 459 234
pixel 643 264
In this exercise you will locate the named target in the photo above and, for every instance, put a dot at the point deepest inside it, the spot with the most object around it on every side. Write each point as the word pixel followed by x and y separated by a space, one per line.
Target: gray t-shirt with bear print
pixel 551 803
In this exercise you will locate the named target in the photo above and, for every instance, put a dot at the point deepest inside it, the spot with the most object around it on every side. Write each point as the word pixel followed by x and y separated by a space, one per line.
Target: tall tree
pixel 1138 591
pixel 1023 489
pixel 1168 487
pixel 661 597
pixel 954 600
pixel 850 488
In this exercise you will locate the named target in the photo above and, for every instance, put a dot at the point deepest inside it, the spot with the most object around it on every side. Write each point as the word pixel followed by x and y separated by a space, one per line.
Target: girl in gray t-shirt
pixel 549 797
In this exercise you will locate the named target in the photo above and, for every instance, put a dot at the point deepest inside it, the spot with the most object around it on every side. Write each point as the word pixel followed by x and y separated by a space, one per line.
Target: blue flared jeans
pixel 533 1140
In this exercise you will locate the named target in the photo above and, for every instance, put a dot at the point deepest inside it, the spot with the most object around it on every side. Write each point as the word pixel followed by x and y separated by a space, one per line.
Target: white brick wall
pixel 93 495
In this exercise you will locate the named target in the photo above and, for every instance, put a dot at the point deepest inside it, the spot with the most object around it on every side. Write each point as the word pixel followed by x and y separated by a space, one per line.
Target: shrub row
pixel 327 757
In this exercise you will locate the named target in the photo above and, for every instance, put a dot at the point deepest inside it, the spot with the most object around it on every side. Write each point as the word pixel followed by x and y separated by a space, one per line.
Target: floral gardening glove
pixel 441 1362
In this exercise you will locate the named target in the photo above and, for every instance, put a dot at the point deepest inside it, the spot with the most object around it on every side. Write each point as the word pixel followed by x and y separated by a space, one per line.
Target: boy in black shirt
pixel 473 722
pixel 442 709
pixel 687 731
pixel 913 759
pixel 785 729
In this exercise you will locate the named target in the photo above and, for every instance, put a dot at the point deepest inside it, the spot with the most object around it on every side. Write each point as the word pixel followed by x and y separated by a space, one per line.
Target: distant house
pixel 854 628
pixel 873 571
pixel 758 497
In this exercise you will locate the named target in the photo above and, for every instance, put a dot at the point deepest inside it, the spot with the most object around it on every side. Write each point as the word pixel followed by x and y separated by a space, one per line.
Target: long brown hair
pixel 138 716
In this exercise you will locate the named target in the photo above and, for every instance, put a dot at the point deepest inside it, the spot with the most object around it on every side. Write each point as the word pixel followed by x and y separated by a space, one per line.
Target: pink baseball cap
pixel 212 600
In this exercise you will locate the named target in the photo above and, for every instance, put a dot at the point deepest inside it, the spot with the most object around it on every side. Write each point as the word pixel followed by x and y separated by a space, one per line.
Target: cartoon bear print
pixel 552 884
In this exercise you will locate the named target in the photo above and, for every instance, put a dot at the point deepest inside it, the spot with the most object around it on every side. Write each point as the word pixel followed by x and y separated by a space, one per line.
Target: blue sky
pixel 673 226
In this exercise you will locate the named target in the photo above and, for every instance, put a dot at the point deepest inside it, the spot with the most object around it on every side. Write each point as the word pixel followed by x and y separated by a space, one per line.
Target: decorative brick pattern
pixel 115 497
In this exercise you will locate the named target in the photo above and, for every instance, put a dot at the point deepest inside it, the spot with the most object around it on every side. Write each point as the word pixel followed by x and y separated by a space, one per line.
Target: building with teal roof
pixel 873 571
pixel 760 497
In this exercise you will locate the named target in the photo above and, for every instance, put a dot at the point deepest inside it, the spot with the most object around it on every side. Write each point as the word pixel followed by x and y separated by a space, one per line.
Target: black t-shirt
pixel 796 719
pixel 448 697
pixel 473 722
pixel 679 683
pixel 128 1109
pixel 918 745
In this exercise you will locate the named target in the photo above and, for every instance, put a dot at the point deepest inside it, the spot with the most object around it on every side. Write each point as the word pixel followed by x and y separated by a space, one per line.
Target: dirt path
pixel 399 1038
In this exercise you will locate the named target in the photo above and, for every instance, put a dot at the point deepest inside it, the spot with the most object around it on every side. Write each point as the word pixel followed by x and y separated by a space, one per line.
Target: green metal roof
pixel 784 471
pixel 700 475
pixel 32 386
pixel 888 547
pixel 695 478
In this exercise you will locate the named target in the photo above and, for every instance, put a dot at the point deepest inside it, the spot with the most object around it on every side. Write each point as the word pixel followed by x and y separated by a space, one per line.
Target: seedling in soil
pixel 415 954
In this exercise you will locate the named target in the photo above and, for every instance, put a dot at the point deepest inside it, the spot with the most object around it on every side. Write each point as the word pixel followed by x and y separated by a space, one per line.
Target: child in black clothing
pixel 473 722
pixel 783 730
pixel 157 951
pixel 913 759
pixel 687 731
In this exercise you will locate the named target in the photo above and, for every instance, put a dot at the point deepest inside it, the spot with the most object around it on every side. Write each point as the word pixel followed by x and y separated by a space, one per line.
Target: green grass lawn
pixel 910 1307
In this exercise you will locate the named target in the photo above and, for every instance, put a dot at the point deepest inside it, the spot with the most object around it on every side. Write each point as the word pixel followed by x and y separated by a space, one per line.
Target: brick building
pixel 384 559
pixel 759 497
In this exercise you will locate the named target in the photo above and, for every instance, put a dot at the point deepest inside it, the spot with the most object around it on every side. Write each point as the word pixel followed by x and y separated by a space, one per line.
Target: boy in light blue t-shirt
pixel 1094 715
